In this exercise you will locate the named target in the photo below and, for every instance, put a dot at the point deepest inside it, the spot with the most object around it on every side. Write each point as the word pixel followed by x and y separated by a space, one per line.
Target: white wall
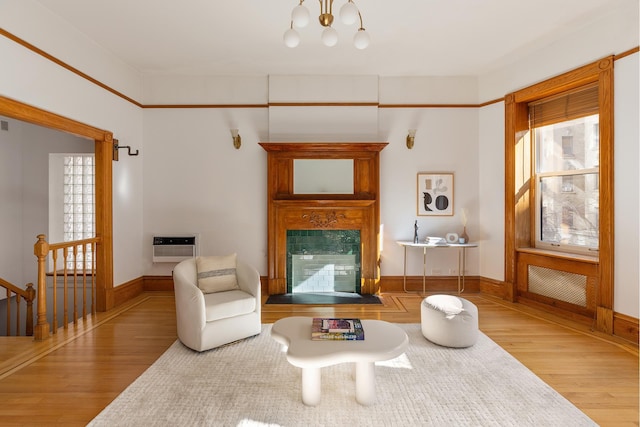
pixel 195 181
pixel 627 185
pixel 34 23
pixel 615 33
pixel 445 141
pixel 491 190
pixel 11 206
pixel 34 80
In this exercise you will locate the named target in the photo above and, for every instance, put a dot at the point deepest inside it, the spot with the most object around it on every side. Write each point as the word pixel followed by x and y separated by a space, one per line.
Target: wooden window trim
pixel 516 113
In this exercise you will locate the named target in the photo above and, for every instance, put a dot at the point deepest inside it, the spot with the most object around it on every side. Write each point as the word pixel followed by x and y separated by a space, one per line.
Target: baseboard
pixel 135 287
pixel 444 284
pixel 625 327
pixel 494 287
pixel 158 283
pixel 127 291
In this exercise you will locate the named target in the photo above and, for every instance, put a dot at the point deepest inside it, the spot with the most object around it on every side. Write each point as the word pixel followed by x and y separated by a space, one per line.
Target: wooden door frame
pixel 103 185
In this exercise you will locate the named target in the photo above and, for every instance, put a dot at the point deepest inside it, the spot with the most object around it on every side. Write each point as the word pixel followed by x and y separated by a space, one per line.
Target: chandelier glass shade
pixel 349 15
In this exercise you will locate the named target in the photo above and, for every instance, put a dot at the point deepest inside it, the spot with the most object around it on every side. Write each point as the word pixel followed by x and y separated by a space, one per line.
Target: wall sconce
pixel 237 141
pixel 411 138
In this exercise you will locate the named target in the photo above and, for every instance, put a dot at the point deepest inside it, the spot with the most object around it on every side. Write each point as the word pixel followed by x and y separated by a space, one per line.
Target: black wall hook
pixel 116 147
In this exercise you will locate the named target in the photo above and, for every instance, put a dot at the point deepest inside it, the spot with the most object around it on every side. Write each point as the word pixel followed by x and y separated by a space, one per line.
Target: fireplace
pixel 351 217
pixel 323 261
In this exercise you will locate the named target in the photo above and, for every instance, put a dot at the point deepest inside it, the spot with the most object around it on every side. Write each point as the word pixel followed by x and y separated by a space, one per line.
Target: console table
pixel 462 260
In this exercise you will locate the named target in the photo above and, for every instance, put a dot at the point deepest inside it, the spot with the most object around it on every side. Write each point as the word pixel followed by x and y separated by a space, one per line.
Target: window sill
pixel 560 255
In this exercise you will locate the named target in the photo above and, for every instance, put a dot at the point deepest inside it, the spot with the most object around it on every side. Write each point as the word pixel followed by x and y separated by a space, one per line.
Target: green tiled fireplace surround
pixel 323 242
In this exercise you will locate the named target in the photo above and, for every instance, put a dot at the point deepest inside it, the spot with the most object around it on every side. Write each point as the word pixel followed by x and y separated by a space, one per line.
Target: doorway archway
pixel 103 141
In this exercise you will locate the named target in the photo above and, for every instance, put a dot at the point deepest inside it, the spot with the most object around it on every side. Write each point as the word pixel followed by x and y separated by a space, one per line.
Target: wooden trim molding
pixel 66 66
pixel 519 223
pixel 625 327
pixel 187 106
pixel 323 104
pixel 433 284
pixel 96 82
pixel 626 53
pixel 85 76
pixel 128 291
pixel 103 141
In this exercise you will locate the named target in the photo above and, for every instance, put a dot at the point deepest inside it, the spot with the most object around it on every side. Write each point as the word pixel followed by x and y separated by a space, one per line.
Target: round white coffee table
pixel 382 341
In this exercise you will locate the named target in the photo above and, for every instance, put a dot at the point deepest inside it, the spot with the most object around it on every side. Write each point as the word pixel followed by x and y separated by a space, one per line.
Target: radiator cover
pixel 560 285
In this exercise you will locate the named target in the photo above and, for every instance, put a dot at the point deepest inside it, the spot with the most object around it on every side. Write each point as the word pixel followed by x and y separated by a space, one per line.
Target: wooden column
pixel 40 250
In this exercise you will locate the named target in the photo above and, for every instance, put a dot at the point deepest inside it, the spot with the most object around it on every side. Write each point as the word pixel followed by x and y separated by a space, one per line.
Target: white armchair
pixel 210 320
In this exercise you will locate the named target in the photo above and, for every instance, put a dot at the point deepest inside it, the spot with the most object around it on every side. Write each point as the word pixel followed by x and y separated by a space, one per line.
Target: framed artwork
pixel 435 194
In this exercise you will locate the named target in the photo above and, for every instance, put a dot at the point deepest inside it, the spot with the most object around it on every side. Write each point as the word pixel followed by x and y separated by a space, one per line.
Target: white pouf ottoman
pixel 449 321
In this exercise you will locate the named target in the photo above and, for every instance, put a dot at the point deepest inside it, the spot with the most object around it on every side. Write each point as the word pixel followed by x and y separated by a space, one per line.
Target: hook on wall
pixel 117 146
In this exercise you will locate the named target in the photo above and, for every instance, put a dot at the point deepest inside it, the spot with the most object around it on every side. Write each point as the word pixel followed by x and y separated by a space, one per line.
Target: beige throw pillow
pixel 217 273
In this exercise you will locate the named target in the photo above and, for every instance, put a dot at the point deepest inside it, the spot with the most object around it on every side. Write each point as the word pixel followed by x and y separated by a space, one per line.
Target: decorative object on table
pixel 464 237
pixel 415 232
pixel 452 237
pixel 436 241
pixel 435 194
pixel 327 328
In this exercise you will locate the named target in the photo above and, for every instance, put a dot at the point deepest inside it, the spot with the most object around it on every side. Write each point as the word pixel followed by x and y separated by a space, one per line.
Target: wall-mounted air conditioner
pixel 174 249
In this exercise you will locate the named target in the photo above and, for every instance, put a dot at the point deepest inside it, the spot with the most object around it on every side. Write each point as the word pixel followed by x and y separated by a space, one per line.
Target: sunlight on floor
pixel 401 362
pixel 253 423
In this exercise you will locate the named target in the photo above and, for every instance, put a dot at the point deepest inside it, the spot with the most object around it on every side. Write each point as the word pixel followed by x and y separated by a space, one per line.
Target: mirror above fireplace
pixel 322 176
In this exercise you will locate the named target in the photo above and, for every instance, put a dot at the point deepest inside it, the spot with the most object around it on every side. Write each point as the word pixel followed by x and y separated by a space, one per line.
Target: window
pixel 79 206
pixel 559 193
pixel 566 152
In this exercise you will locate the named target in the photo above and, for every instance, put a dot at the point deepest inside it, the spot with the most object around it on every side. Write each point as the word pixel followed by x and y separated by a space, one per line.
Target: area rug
pixel 250 383
pixel 323 298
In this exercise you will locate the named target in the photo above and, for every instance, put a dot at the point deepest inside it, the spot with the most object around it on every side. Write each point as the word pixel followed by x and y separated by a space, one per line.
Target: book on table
pixel 346 329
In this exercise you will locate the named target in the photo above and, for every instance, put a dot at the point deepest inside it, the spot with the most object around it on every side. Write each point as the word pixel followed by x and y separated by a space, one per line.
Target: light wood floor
pixel 70 378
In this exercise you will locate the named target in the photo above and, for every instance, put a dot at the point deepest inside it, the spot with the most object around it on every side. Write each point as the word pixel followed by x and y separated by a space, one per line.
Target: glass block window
pixel 79 206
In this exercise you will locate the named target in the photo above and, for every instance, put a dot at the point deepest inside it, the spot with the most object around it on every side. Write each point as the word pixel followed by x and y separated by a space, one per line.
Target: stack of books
pixel 324 328
pixel 436 241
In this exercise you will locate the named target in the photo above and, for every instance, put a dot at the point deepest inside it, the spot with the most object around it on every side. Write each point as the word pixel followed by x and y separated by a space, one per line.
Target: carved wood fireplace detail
pixel 357 211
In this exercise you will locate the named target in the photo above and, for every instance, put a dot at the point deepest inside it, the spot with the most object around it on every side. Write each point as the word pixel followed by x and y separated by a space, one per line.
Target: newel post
pixel 40 250
pixel 31 295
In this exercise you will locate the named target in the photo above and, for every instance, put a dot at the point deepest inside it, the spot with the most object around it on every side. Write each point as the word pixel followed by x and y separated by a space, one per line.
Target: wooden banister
pixel 28 294
pixel 40 250
pixel 74 251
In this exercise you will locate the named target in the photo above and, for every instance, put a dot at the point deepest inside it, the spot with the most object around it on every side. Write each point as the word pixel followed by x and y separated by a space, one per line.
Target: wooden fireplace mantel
pixel 357 211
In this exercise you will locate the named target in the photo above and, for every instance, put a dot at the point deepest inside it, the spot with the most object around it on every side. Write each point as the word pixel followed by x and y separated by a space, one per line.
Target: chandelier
pixel 349 14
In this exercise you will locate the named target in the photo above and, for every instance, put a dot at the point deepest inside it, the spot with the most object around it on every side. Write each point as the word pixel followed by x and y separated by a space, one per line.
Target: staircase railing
pixel 28 295
pixel 75 263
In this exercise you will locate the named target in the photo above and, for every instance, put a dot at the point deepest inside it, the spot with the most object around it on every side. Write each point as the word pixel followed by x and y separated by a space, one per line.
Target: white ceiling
pixel 408 37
